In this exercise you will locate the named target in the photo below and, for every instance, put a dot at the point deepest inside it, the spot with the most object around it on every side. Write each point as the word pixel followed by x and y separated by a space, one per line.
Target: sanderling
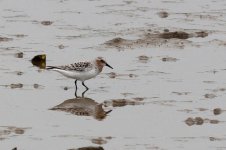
pixel 81 70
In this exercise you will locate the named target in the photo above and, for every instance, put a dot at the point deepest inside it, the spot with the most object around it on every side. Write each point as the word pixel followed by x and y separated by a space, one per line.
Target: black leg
pixel 76 94
pixel 85 85
pixel 76 88
pixel 83 93
pixel 76 85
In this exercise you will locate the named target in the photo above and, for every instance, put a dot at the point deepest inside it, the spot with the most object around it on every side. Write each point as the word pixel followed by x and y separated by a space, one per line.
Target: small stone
pixel 210 96
pixel 217 111
pixel 201 34
pixel 199 121
pixel 46 23
pixel 132 75
pixel 190 121
pixel 99 141
pixel 112 75
pixel 20 35
pixel 169 59
pixel 166 30
pixel 61 46
pixel 19 73
pixel 19 131
pixel 19 55
pixel 36 86
pixel 13 86
pixel 163 14
pixel 143 57
pixel 212 138
pixel 214 121
pixel 138 99
pixel 118 102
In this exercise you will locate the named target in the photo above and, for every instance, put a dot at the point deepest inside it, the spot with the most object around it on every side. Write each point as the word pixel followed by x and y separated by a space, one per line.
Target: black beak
pixel 109 66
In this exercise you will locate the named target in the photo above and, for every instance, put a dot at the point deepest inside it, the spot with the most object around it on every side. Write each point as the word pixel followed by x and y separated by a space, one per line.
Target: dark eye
pixel 102 61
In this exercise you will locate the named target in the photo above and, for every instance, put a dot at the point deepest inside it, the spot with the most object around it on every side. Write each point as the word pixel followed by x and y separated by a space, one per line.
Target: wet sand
pixel 167 89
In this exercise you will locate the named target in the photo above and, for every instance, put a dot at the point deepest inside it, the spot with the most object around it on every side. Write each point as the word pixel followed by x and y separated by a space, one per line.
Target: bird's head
pixel 101 63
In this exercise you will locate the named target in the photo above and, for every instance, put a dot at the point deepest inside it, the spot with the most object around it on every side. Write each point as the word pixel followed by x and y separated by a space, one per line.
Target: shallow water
pixel 163 93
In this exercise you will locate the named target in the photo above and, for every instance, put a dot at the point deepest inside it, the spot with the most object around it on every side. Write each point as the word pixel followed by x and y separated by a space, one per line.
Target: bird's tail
pixel 51 67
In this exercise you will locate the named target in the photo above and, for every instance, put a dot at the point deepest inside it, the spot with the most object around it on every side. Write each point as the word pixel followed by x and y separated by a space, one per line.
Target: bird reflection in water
pixel 83 106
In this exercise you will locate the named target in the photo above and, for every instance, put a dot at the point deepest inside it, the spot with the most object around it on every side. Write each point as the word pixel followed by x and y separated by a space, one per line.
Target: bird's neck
pixel 99 66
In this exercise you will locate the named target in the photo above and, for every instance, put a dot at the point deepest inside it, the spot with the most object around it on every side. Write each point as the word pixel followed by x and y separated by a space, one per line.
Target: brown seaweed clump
pixel 166 38
pixel 115 42
pixel 177 35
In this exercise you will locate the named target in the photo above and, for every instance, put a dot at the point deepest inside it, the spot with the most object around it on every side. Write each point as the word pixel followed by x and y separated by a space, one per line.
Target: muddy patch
pixel 143 59
pixel 88 148
pixel 23 86
pixel 123 102
pixel 61 46
pixel 215 111
pixel 181 93
pixel 185 110
pixel 19 35
pixel 219 90
pixel 121 76
pixel 210 96
pixel 14 85
pixel 156 73
pixel 209 82
pixel 19 55
pixel 46 23
pixel 19 73
pixel 216 139
pixel 11 131
pixel 200 121
pixel 5 39
pixel 170 102
pixel 69 37
pixel 181 35
pixel 101 140
pixel 169 59
pixel 176 39
pixel 163 14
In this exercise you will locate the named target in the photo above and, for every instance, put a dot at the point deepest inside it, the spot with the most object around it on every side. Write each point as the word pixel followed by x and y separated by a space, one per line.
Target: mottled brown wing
pixel 80 66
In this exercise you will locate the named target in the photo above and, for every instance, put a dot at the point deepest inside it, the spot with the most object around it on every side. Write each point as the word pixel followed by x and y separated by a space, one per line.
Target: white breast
pixel 82 76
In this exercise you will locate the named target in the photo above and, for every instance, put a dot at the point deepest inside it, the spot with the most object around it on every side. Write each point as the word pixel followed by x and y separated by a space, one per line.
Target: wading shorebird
pixel 81 71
